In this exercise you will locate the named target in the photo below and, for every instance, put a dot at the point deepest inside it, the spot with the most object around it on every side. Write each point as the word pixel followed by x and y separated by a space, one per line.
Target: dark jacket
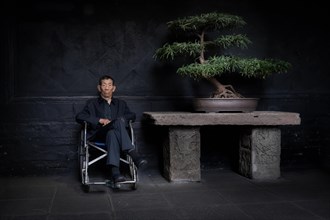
pixel 95 109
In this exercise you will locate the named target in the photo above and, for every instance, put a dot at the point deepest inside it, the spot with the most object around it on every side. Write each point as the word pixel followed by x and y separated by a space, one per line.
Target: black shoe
pixel 138 161
pixel 118 178
pixel 142 163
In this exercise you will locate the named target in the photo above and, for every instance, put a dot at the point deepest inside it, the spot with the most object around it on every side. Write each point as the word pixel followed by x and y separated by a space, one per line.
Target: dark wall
pixel 53 52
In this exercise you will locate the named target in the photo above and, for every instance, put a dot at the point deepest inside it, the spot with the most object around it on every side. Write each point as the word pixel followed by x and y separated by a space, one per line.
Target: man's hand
pixel 104 121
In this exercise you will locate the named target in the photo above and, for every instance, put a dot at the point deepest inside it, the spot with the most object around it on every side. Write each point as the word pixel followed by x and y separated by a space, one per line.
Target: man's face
pixel 106 88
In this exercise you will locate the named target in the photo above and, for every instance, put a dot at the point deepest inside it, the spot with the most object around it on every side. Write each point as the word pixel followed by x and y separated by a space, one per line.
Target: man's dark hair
pixel 106 77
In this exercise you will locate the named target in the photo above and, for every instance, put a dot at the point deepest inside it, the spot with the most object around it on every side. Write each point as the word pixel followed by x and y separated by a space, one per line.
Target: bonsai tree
pixel 209 61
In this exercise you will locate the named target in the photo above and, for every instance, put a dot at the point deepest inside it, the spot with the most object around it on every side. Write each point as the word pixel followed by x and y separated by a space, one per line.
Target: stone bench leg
pixel 259 153
pixel 182 154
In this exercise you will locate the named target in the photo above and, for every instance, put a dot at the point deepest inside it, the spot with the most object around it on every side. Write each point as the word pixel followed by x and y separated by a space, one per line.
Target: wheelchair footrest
pixel 118 185
pixel 111 184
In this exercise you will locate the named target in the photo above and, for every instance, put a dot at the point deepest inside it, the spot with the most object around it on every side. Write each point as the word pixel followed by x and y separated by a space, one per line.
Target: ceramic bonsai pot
pixel 225 104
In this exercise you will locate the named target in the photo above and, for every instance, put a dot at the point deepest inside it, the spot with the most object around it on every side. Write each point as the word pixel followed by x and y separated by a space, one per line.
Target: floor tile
pixel 215 212
pixel 277 211
pixel 318 207
pixel 25 206
pixel 194 198
pixel 127 201
pixel 81 204
pixel 221 194
pixel 249 196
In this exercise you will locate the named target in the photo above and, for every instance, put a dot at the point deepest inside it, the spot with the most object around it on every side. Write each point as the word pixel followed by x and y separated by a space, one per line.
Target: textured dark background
pixel 53 52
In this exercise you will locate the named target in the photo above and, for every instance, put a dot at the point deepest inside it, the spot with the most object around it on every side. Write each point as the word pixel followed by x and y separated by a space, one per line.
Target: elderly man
pixel 108 119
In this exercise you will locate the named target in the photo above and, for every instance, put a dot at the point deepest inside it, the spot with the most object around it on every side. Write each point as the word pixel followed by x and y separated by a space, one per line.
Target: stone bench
pixel 259 148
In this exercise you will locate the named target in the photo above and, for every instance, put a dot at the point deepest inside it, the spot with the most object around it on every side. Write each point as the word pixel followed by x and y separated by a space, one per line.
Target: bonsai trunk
pixel 223 91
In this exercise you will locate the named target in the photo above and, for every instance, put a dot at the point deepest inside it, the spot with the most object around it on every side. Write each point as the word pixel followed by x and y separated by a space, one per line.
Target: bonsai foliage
pixel 210 62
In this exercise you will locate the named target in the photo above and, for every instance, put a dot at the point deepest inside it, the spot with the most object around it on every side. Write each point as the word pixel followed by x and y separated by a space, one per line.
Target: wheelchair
pixel 92 152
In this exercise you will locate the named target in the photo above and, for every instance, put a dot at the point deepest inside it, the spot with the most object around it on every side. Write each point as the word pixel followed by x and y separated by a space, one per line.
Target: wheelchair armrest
pixel 130 122
pixel 130 125
pixel 85 124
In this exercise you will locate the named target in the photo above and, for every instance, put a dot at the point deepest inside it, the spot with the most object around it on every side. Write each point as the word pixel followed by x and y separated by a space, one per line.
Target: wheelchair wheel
pixel 86 188
pixel 135 176
pixel 134 186
pixel 82 163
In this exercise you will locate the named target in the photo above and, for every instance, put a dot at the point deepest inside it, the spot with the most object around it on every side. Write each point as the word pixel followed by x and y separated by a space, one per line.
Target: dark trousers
pixel 116 138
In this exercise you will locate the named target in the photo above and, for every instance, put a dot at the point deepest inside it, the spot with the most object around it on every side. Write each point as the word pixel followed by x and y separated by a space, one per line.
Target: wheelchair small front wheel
pixel 134 186
pixel 86 188
pixel 117 185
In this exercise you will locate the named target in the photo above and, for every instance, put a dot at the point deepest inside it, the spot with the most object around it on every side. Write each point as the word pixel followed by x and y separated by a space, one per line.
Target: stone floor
pixel 222 194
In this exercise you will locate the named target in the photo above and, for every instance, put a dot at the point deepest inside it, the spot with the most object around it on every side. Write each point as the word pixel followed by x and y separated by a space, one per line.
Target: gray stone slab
pixel 199 119
pixel 260 146
pixel 182 154
pixel 260 153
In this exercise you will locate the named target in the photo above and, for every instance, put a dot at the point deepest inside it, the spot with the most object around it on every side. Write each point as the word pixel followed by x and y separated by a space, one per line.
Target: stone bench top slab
pixel 257 118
